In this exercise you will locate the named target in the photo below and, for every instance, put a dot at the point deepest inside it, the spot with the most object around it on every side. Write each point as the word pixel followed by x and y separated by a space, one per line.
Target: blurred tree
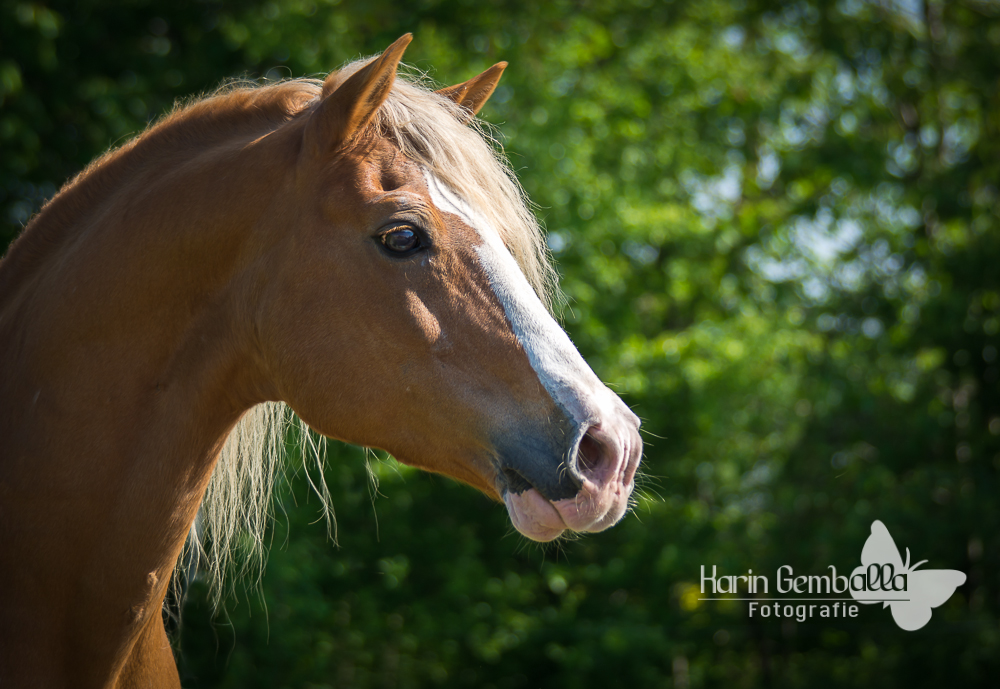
pixel 777 227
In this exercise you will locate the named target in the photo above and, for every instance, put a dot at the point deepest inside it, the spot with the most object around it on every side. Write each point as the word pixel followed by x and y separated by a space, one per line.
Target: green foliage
pixel 777 224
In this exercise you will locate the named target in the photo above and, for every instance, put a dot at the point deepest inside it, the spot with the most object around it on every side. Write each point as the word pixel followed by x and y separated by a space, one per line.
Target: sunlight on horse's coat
pixel 258 251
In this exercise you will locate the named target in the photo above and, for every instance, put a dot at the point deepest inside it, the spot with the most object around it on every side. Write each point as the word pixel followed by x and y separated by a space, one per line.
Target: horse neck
pixel 128 357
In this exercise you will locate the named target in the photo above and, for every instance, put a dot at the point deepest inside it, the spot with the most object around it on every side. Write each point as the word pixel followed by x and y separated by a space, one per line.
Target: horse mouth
pixel 604 464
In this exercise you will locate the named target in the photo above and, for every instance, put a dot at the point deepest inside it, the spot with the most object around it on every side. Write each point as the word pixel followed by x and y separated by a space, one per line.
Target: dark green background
pixel 777 226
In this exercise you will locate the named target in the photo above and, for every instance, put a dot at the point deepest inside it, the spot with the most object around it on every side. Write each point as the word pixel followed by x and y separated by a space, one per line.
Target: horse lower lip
pixel 534 516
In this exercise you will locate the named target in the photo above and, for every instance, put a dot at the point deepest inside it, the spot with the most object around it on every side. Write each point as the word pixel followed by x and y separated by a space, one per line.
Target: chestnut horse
pixel 351 248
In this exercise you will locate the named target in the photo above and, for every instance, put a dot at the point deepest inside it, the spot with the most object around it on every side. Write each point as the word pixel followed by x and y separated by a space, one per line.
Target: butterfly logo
pixel 882 565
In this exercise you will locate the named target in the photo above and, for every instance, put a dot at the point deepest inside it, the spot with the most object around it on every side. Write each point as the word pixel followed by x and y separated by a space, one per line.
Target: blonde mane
pixel 436 133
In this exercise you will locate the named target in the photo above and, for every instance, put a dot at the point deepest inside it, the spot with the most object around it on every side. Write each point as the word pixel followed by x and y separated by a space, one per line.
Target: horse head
pixel 400 306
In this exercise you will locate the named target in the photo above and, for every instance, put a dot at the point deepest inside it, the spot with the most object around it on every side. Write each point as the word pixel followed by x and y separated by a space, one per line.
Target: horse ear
pixel 474 93
pixel 349 105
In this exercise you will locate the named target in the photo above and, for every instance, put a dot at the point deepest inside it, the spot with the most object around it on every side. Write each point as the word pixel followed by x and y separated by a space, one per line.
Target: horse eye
pixel 401 240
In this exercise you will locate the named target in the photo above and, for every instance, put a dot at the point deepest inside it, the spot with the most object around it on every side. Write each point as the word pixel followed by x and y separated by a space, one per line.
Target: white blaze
pixel 553 356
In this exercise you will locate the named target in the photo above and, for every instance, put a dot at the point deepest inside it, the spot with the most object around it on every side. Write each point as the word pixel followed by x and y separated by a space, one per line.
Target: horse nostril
pixel 595 456
pixel 589 453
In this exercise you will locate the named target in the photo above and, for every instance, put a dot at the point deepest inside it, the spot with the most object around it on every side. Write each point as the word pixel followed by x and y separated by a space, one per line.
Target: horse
pixel 353 248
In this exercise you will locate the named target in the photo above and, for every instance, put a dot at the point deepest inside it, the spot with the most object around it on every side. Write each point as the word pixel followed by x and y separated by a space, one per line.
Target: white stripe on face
pixel 554 358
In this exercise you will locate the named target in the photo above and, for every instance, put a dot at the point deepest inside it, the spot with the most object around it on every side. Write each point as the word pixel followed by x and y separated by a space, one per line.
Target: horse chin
pixel 590 511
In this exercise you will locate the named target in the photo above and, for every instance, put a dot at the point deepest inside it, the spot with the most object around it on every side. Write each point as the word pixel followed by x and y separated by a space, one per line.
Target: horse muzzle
pixel 584 485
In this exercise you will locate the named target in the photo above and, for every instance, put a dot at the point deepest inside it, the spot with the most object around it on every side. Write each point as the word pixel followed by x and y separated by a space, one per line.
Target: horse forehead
pixel 382 167
pixel 369 181
pixel 449 201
